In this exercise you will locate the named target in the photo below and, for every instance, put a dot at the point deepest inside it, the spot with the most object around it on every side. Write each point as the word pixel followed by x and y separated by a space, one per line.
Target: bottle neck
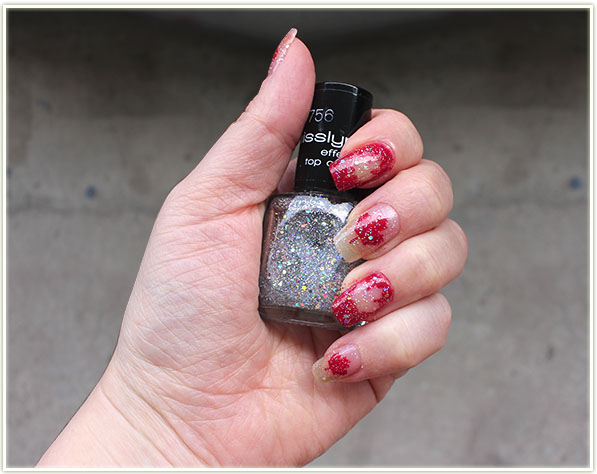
pixel 337 111
pixel 350 195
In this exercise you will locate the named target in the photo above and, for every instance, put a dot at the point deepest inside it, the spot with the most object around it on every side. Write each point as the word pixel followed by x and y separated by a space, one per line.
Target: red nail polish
pixel 373 228
pixel 362 166
pixel 363 299
pixel 369 230
pixel 340 363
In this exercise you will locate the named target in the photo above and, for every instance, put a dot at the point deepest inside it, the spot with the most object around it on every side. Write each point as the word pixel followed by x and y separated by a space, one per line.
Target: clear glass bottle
pixel 301 270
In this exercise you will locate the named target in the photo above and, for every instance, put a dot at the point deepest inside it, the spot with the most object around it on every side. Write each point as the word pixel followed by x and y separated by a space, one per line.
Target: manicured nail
pixel 372 229
pixel 338 364
pixel 363 299
pixel 361 166
pixel 281 50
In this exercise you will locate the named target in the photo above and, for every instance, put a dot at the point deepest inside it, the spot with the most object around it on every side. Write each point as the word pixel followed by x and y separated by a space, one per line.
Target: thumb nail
pixel 281 50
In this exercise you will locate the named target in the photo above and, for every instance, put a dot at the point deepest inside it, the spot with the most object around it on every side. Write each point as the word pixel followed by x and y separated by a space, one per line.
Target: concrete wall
pixel 108 111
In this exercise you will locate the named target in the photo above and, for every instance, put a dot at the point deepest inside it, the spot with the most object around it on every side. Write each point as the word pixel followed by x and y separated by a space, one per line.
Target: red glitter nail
pixel 281 50
pixel 362 166
pixel 338 364
pixel 369 229
pixel 363 299
pixel 342 362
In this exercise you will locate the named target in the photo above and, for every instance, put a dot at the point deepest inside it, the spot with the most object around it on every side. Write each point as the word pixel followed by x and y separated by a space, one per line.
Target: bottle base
pixel 300 316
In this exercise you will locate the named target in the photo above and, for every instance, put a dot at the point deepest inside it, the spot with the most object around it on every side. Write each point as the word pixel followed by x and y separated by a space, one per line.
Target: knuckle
pixel 436 203
pixel 430 190
pixel 440 176
pixel 411 135
pixel 262 130
pixel 418 338
pixel 443 305
pixel 396 116
pixel 443 313
pixel 404 354
pixel 407 355
pixel 459 235
pixel 402 121
pixel 440 187
pixel 409 358
pixel 427 268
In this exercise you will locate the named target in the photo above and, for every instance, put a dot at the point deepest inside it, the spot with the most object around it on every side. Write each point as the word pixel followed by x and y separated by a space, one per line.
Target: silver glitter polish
pixel 301 270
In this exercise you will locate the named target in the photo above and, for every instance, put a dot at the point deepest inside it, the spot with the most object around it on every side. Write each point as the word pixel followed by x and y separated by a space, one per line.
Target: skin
pixel 197 378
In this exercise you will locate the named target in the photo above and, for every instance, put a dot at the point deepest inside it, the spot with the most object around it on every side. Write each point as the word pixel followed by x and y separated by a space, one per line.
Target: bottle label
pixel 330 150
pixel 333 117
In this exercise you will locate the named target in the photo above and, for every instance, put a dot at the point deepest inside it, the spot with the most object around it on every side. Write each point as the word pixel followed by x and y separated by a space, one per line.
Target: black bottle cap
pixel 338 110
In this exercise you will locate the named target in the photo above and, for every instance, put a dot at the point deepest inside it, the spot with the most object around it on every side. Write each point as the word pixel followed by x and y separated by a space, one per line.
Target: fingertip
pixel 256 148
pixel 376 152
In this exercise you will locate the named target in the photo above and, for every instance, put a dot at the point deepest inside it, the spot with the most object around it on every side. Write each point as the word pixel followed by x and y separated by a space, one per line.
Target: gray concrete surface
pixel 108 111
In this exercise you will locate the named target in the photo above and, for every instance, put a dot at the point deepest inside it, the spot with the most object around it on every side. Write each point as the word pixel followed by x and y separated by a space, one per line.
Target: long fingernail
pixel 338 364
pixel 362 166
pixel 363 299
pixel 281 50
pixel 372 229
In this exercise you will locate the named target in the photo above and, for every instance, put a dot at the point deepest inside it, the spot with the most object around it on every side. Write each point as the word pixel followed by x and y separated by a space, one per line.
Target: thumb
pixel 245 165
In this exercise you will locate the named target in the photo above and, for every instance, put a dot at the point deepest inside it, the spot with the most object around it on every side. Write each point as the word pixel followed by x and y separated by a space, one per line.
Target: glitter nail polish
pixel 301 269
pixel 338 363
pixel 362 166
pixel 281 50
pixel 367 232
pixel 363 299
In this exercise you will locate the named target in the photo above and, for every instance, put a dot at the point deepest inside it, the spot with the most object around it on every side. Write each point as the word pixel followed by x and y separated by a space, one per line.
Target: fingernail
pixel 338 364
pixel 281 50
pixel 363 299
pixel 361 166
pixel 372 229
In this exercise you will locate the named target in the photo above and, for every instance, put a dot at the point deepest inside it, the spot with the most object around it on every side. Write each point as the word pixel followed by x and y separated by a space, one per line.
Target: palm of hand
pixel 240 389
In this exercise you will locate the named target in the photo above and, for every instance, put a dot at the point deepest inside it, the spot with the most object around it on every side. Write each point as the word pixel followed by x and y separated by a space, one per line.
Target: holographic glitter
pixel 301 269
pixel 363 299
pixel 371 229
pixel 361 166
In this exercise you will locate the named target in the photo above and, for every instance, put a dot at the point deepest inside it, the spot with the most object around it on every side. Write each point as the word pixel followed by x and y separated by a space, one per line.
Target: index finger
pixel 377 151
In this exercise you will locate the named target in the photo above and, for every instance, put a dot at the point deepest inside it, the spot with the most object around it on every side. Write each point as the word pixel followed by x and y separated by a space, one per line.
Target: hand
pixel 197 377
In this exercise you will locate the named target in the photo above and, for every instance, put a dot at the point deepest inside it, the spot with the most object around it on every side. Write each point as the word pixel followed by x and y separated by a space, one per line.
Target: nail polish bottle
pixel 301 270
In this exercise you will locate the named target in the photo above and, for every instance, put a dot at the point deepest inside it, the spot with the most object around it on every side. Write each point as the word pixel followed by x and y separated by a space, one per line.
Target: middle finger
pixel 415 201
